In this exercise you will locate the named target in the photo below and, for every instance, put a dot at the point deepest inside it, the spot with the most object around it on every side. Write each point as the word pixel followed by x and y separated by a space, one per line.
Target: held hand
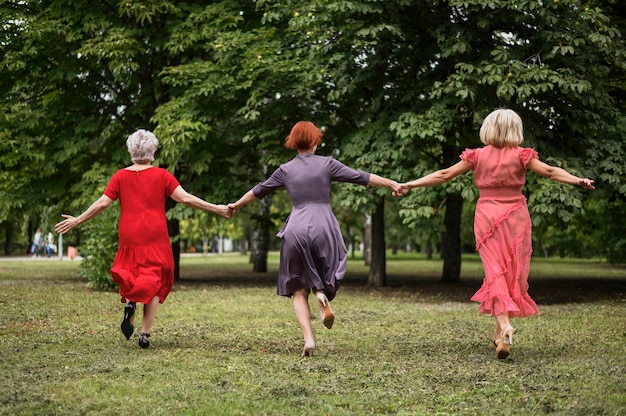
pixel 234 208
pixel 402 190
pixel 224 211
pixel 395 186
pixel 68 224
pixel 586 183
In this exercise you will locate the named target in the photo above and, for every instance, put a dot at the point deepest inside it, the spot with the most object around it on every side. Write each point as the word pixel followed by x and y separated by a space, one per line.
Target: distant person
pixel 502 224
pixel 313 255
pixel 144 265
pixel 37 242
pixel 49 244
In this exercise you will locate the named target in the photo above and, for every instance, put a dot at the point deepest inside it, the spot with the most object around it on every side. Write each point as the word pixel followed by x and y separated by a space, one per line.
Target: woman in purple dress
pixel 313 255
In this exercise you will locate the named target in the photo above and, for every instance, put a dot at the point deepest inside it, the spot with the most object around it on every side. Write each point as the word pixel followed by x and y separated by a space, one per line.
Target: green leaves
pixel 116 47
pixel 401 87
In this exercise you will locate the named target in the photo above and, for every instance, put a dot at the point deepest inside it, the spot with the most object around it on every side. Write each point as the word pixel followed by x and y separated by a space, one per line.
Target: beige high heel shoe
pixel 327 315
pixel 309 348
pixel 503 347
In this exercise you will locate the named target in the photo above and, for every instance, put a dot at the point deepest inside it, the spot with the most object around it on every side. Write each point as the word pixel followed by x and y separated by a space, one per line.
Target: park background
pixel 400 88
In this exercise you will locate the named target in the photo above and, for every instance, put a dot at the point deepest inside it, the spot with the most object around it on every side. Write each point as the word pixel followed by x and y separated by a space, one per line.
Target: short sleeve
pixel 469 156
pixel 171 183
pixel 526 154
pixel 342 173
pixel 271 184
pixel 112 189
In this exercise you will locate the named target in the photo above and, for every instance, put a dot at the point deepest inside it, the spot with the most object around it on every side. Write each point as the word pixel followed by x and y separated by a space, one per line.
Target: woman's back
pixel 308 179
pixel 499 167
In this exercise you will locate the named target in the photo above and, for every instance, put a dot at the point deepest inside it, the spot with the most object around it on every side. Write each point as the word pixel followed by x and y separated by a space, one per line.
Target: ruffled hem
pixel 140 289
pixel 492 296
pixel 144 272
pixel 521 307
pixel 315 282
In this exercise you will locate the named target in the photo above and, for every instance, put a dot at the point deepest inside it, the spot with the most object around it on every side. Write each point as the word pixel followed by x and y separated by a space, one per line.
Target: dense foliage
pixel 399 86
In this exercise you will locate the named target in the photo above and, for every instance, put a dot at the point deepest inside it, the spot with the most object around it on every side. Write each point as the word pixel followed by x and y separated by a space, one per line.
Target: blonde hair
pixel 502 128
pixel 141 145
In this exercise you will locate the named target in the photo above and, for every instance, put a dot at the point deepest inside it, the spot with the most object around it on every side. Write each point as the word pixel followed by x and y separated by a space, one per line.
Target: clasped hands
pixel 226 211
pixel 399 189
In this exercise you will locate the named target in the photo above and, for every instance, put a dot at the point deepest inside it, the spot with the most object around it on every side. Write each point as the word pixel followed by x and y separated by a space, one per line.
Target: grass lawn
pixel 225 344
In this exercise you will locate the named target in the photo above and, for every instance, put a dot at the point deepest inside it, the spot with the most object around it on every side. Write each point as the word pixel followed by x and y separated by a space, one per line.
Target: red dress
pixel 502 228
pixel 144 265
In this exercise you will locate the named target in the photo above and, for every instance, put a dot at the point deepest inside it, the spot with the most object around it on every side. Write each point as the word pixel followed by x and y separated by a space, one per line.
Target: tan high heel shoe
pixel 309 348
pixel 328 317
pixel 503 348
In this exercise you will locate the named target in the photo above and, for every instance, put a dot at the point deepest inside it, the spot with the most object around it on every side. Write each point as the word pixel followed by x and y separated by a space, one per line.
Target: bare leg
pixel 149 312
pixel 303 314
pixel 497 332
pixel 501 322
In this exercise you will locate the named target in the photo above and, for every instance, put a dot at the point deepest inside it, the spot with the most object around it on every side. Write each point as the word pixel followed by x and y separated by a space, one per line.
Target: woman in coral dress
pixel 313 255
pixel 502 225
pixel 144 265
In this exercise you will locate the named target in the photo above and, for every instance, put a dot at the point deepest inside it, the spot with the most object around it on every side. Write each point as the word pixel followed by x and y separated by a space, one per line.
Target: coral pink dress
pixel 144 265
pixel 502 228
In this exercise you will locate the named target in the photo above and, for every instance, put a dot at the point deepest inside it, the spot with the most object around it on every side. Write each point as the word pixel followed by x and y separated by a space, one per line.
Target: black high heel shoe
pixel 127 327
pixel 143 340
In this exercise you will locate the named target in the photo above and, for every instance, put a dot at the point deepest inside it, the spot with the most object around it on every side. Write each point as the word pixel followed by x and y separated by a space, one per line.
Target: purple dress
pixel 313 254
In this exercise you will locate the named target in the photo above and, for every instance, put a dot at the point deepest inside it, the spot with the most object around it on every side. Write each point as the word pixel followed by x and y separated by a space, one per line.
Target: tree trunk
pixel 30 237
pixel 367 240
pixel 8 237
pixel 261 237
pixel 352 242
pixel 429 248
pixel 451 239
pixel 245 236
pixel 377 276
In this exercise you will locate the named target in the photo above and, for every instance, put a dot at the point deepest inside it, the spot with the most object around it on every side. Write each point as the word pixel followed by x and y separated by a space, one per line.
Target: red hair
pixel 303 136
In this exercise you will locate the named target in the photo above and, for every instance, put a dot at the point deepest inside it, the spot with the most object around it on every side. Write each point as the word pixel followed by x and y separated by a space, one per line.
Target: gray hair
pixel 141 145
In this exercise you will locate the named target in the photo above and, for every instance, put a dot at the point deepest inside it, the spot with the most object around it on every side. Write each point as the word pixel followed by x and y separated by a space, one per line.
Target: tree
pixel 552 63
pixel 78 77
pixel 222 82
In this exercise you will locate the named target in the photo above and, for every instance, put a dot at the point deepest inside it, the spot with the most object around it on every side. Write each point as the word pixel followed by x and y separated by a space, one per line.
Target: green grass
pixel 225 344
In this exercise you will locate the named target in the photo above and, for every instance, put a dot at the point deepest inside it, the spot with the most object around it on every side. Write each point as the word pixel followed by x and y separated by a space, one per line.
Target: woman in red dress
pixel 144 265
pixel 502 225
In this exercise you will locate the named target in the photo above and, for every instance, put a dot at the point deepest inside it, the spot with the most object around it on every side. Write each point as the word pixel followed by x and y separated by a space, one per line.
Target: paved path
pixel 38 258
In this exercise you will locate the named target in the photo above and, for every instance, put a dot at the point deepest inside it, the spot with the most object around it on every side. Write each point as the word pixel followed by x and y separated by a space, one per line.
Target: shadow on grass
pixel 544 290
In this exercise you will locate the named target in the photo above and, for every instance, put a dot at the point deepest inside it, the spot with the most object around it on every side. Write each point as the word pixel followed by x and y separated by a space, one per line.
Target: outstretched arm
pixel 558 174
pixel 435 178
pixel 245 199
pixel 376 180
pixel 70 222
pixel 192 201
